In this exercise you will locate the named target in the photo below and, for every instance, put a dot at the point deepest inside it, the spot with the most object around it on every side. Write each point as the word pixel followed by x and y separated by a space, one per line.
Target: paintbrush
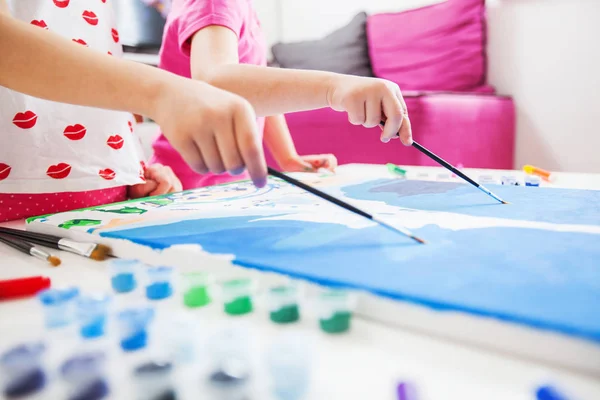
pixel 98 252
pixel 30 249
pixel 455 170
pixel 343 204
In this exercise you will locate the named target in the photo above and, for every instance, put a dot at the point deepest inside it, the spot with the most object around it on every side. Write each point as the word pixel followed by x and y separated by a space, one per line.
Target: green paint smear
pixel 340 322
pixel 286 314
pixel 196 296
pixel 79 222
pixel 239 306
pixel 124 210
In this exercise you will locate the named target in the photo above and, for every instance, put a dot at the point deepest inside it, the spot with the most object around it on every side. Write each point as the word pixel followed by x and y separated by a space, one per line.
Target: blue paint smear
pixel 549 280
pixel 561 206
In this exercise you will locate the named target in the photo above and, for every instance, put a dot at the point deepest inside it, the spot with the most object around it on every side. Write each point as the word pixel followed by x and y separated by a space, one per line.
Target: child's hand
pixel 213 130
pixel 160 179
pixel 368 101
pixel 310 163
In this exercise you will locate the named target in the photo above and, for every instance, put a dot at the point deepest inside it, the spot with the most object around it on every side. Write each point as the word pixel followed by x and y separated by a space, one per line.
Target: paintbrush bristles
pixel 55 261
pixel 100 253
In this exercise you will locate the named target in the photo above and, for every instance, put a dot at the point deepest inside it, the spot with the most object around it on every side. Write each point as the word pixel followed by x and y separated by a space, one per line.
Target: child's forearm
pixel 273 91
pixel 42 64
pixel 278 139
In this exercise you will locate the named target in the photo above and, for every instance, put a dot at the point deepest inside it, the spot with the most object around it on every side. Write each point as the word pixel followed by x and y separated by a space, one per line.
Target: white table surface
pixel 362 364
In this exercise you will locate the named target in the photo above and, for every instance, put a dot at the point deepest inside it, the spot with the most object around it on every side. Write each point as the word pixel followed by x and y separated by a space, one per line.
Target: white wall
pixel 545 53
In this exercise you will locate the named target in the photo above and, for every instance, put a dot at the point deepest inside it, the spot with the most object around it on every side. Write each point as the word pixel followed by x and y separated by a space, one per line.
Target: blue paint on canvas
pixel 543 278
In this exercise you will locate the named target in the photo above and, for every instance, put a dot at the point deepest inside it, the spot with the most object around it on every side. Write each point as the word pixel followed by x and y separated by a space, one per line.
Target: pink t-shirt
pixel 185 18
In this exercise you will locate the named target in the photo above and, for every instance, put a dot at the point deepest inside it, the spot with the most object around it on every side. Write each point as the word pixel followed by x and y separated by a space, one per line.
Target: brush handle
pixel 319 193
pixel 17 244
pixel 444 163
pixel 34 237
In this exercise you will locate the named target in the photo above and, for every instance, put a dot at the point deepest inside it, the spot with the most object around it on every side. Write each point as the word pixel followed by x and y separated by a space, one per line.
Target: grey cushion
pixel 344 51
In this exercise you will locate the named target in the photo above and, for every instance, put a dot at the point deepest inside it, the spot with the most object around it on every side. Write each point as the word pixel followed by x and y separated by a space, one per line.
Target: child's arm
pixel 279 141
pixel 367 101
pixel 213 130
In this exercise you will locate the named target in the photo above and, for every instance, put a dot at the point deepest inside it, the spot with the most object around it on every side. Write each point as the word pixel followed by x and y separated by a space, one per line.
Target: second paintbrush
pixel 343 204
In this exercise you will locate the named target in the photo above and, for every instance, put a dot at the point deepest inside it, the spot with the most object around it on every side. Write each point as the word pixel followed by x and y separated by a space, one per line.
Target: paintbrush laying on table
pixel 30 249
pixel 343 204
pixel 453 169
pixel 98 252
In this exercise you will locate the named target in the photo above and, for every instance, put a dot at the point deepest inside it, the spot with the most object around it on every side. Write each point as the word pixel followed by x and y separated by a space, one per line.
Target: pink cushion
pixel 439 47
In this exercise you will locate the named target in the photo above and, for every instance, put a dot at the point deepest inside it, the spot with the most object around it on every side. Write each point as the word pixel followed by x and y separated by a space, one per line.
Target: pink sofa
pixel 439 61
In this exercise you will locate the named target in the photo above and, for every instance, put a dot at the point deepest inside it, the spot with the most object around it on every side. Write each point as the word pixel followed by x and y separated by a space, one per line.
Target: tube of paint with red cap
pixel 23 287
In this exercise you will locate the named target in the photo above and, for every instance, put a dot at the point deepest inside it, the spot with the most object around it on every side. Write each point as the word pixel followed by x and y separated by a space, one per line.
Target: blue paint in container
pixel 59 306
pixel 22 370
pixel 123 275
pixel 133 328
pixel 86 377
pixel 159 283
pixel 92 315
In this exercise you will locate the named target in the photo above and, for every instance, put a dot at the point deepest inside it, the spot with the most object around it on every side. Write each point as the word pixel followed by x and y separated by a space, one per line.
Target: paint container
pixel 196 286
pixel 510 180
pixel 230 380
pixel 92 313
pixel 237 296
pixel 59 306
pixel 283 304
pixel 289 363
pixel 443 176
pixel 133 328
pixel 181 337
pixel 487 180
pixel 335 311
pixel 532 180
pixel 406 391
pixel 123 275
pixel 22 370
pixel 85 376
pixel 153 381
pixel 548 392
pixel 160 283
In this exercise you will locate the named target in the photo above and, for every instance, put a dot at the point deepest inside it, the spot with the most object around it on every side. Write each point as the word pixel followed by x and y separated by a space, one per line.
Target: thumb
pixel 142 189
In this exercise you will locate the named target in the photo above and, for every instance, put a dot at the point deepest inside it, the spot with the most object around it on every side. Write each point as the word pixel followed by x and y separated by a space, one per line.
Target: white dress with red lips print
pixel 51 147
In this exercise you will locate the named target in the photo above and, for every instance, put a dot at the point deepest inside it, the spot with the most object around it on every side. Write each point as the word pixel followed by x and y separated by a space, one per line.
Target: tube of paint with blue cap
pixel 86 377
pixel 123 275
pixel 160 283
pixel 59 306
pixel 23 371
pixel 92 315
pixel 133 327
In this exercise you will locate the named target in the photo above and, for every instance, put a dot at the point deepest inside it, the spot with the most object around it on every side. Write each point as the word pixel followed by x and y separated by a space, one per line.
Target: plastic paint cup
pixel 289 361
pixel 335 311
pixel 532 180
pixel 22 370
pixel 510 180
pixel 86 376
pixel 196 289
pixel 153 381
pixel 487 180
pixel 92 315
pixel 237 296
pixel 283 304
pixel 59 306
pixel 160 283
pixel 123 275
pixel 229 381
pixel 133 328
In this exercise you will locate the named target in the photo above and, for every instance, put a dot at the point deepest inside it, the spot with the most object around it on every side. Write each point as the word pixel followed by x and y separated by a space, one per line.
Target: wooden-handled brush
pixel 30 249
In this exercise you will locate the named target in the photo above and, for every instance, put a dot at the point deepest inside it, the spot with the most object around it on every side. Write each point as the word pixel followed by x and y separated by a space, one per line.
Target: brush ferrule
pixel 82 249
pixel 486 191
pixel 38 253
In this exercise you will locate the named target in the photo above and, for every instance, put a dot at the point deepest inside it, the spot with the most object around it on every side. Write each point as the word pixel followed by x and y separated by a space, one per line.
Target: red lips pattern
pixel 115 35
pixel 107 174
pixel 62 3
pixel 80 41
pixel 4 171
pixel 25 120
pixel 75 132
pixel 130 126
pixel 59 171
pixel 90 17
pixel 115 141
pixel 41 23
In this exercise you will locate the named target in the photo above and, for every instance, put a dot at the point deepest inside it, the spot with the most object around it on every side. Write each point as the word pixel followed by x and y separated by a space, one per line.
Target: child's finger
pixel 251 150
pixel 230 153
pixel 191 154
pixel 356 112
pixel 211 155
pixel 406 132
pixel 394 118
pixel 373 110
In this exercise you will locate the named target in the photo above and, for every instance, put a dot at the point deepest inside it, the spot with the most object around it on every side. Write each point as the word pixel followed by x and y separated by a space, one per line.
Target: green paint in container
pixel 283 304
pixel 196 289
pixel 237 296
pixel 335 311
